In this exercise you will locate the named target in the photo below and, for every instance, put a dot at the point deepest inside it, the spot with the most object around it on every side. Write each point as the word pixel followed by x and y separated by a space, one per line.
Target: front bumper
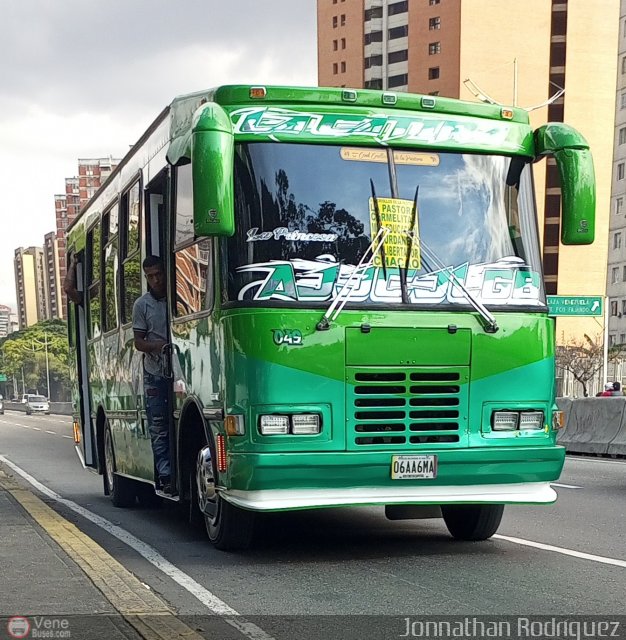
pixel 274 482
pixel 287 499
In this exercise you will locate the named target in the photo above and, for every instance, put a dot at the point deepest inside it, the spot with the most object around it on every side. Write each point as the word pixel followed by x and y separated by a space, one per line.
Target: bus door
pixel 79 319
pixel 156 242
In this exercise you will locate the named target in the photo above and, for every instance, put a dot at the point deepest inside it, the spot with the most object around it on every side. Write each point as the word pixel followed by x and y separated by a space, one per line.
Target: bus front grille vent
pixel 411 408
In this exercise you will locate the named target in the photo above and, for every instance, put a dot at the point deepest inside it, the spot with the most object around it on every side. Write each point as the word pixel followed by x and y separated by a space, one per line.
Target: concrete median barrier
pixel 593 425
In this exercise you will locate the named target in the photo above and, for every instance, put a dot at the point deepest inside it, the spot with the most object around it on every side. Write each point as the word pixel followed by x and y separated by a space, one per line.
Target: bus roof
pixel 181 112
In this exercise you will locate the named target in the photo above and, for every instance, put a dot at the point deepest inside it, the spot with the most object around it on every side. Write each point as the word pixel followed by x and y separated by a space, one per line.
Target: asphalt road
pixel 355 561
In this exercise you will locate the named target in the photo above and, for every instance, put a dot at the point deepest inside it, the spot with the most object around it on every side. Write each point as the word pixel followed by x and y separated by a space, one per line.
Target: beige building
pixel 616 273
pixel 515 53
pixel 54 298
pixel 30 286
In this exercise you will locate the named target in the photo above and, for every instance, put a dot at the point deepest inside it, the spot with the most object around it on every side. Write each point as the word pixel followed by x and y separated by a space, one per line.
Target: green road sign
pixel 3 377
pixel 575 305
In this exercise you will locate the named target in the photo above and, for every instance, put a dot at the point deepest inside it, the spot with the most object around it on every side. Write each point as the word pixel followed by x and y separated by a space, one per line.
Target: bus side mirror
pixel 578 185
pixel 212 154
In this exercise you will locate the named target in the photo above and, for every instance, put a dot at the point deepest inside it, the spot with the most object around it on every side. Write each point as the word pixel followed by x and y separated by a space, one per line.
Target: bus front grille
pixel 406 408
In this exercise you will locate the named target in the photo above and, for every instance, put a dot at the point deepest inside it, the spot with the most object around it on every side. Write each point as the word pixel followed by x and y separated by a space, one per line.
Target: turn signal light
pixel 76 432
pixel 558 419
pixel 234 425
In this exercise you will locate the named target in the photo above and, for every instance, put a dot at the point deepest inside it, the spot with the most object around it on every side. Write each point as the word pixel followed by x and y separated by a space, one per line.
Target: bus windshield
pixel 307 214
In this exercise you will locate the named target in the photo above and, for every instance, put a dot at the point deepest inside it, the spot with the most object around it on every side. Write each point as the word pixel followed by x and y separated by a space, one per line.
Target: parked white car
pixel 37 404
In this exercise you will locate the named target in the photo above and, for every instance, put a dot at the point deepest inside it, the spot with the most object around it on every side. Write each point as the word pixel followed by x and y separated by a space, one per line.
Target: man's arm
pixel 69 283
pixel 147 346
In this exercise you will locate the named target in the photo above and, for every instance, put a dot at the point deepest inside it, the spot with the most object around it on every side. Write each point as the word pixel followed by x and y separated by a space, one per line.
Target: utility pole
pixel 45 346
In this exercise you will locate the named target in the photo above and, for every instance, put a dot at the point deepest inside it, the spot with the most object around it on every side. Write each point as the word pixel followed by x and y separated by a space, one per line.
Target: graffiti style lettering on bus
pixel 268 121
pixel 505 282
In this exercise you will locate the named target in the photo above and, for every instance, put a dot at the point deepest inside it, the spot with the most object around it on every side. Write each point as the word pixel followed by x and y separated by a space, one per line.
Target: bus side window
pixel 194 279
pixel 111 263
pixel 94 256
pixel 129 250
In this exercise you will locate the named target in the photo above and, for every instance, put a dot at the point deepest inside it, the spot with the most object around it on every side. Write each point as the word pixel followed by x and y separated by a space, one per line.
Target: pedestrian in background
pixel 617 389
pixel 608 390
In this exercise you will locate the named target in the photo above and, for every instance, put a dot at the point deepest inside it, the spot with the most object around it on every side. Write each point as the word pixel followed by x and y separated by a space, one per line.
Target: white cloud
pixel 86 79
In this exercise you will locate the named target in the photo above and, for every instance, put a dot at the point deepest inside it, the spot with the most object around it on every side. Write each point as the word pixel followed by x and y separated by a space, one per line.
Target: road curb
pixel 146 612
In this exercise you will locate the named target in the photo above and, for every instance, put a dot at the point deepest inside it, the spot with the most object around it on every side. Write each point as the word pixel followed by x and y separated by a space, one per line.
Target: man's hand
pixel 148 346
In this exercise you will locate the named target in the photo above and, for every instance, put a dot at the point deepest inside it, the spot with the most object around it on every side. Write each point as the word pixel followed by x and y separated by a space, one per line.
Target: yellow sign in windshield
pixel 397 216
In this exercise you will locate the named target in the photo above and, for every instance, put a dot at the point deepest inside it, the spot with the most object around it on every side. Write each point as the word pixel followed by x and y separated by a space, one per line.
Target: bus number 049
pixel 287 336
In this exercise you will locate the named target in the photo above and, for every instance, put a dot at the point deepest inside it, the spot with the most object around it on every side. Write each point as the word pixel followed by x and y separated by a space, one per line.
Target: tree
pixel 584 358
pixel 22 356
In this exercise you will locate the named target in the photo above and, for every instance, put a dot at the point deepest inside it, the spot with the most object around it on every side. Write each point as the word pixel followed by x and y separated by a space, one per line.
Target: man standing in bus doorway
pixel 150 329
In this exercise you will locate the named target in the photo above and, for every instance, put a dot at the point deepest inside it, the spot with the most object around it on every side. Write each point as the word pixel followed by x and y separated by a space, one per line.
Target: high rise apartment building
pixel 66 208
pixel 52 276
pixel 30 286
pixel 616 273
pixel 5 321
pixel 515 53
pixel 92 173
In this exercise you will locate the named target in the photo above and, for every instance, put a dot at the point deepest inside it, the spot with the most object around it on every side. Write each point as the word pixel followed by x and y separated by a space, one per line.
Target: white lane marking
pixel 36 428
pixel 68 437
pixel 564 486
pixel 567 552
pixel 208 599
pixel 54 433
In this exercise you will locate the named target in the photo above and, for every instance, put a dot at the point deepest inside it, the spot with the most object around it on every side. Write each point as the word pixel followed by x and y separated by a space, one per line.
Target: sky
pixel 86 78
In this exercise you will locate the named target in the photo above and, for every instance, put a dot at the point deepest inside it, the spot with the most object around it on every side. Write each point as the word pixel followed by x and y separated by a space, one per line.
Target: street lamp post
pixel 45 346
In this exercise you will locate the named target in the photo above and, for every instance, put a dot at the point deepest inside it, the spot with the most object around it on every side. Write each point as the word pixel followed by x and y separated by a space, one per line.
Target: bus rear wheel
pixel 472 521
pixel 228 527
pixel 122 490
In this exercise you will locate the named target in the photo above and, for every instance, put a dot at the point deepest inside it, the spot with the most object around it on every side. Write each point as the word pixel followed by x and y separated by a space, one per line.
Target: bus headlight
pixel 274 425
pixel 504 420
pixel 305 423
pixel 531 420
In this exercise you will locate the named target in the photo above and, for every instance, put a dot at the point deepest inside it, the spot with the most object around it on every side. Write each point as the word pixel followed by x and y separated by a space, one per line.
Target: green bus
pixel 356 306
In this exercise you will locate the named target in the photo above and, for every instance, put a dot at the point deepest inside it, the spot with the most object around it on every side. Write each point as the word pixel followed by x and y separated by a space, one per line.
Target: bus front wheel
pixel 472 521
pixel 228 527
pixel 122 490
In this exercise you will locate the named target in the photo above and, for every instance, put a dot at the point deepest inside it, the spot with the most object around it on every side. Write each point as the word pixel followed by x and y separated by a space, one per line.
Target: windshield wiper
pixel 337 305
pixel 407 258
pixel 489 323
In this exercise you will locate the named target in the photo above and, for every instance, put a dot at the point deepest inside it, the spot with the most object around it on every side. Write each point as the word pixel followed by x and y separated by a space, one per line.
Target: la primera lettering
pixel 294 235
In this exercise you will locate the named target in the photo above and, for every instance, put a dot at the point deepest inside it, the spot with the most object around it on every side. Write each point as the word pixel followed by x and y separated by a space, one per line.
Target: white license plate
pixel 413 467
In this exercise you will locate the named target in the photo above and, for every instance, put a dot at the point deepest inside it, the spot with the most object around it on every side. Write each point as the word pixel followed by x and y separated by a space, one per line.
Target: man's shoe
pixel 167 486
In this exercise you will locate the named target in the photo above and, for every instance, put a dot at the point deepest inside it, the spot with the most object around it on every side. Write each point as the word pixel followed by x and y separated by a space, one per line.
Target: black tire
pixel 228 527
pixel 472 521
pixel 231 528
pixel 123 491
pixel 147 497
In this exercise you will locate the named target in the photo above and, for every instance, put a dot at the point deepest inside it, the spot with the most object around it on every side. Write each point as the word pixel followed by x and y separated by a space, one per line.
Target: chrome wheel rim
pixel 108 459
pixel 205 483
